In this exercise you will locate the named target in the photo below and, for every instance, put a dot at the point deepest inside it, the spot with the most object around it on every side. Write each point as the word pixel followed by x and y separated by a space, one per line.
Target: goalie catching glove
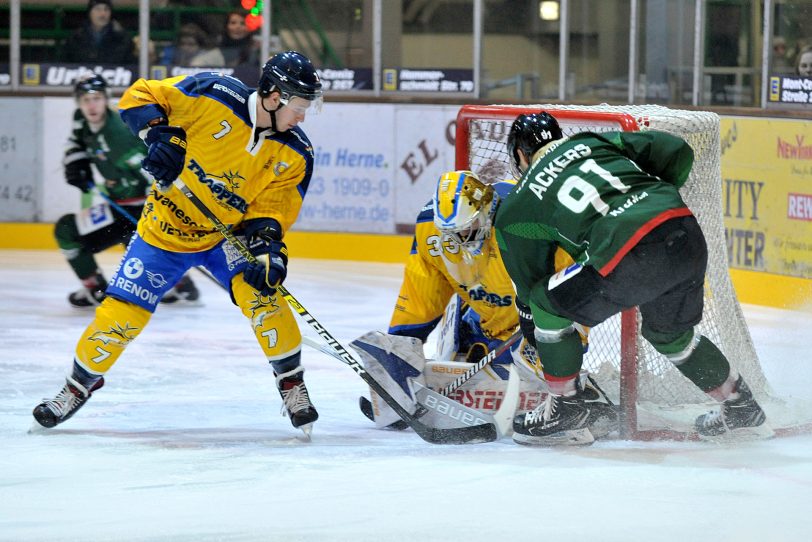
pixel 166 155
pixel 265 242
pixel 79 174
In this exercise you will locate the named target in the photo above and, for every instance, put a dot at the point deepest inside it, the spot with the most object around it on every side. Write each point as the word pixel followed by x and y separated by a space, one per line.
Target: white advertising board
pixel 424 150
pixel 58 197
pixel 376 165
pixel 352 188
pixel 20 153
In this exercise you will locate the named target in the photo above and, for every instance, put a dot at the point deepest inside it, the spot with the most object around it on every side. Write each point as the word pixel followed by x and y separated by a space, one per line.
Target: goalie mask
pixel 464 208
pixel 528 134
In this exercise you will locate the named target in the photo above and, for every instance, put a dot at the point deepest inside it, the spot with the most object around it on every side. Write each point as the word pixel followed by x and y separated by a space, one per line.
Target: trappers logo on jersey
pixel 219 188
pixel 480 294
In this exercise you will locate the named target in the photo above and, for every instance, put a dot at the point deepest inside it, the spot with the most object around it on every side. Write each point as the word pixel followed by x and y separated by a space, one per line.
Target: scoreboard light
pixel 254 18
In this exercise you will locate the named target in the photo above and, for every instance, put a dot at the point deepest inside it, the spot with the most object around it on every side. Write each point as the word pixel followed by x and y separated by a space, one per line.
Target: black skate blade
pixel 366 408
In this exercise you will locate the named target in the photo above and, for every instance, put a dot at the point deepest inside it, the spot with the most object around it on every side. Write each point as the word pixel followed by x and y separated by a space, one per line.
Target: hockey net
pixel 656 400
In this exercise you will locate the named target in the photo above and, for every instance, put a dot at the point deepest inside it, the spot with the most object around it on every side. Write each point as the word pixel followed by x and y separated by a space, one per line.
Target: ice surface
pixel 185 442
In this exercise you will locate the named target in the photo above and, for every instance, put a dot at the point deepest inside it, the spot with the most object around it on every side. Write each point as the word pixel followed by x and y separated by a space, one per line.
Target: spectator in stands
pixel 152 52
pixel 237 43
pixel 780 59
pixel 240 49
pixel 804 65
pixel 101 39
pixel 191 49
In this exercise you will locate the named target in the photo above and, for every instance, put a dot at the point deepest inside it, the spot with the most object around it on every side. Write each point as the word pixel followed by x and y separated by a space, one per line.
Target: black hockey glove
pixel 79 174
pixel 166 155
pixel 270 268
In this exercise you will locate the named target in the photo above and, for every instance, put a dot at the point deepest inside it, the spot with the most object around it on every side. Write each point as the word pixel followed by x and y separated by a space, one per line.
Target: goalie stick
pixel 485 432
pixel 503 417
pixel 479 365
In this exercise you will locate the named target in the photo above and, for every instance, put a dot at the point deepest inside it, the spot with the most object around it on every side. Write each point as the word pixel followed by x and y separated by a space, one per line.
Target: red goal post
pixel 656 400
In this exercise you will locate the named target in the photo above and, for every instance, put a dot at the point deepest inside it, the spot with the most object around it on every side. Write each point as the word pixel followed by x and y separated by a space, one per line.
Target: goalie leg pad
pixel 392 361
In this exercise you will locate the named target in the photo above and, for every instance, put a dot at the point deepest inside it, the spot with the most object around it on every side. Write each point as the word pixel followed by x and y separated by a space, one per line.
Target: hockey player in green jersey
pixel 611 201
pixel 100 137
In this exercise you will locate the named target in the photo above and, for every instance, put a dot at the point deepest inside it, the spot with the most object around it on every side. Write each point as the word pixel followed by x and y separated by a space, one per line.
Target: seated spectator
pixel 804 65
pixel 191 50
pixel 780 59
pixel 100 40
pixel 237 43
pixel 152 53
pixel 240 49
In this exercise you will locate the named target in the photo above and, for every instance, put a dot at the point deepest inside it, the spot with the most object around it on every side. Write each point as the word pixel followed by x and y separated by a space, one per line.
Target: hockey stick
pixel 479 365
pixel 478 433
pixel 112 203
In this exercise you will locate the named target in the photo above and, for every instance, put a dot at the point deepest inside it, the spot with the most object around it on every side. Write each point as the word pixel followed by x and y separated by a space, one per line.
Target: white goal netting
pixel 664 398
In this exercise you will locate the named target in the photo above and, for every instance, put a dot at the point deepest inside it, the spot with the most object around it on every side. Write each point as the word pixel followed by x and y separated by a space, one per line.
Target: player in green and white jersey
pixel 101 138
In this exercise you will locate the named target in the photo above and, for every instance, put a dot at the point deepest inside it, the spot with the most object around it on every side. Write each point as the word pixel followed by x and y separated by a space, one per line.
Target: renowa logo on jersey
pixel 221 189
pixel 132 270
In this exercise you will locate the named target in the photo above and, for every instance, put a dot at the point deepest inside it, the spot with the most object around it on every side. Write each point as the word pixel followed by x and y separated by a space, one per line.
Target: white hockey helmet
pixel 463 209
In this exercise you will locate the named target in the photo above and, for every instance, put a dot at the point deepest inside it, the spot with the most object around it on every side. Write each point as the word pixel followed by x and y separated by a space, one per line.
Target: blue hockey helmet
pixel 291 74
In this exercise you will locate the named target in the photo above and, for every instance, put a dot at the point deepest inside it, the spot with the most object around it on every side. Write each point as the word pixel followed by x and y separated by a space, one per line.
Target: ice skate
pixel 737 418
pixel 183 293
pixel 91 294
pixel 603 415
pixel 559 420
pixel 84 297
pixel 296 401
pixel 52 412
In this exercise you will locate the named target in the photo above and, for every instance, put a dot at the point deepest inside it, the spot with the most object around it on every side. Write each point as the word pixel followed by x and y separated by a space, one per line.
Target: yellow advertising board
pixel 767 194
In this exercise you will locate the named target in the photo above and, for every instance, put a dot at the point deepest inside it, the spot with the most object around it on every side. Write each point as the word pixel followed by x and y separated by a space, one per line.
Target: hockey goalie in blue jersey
pixel 241 152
